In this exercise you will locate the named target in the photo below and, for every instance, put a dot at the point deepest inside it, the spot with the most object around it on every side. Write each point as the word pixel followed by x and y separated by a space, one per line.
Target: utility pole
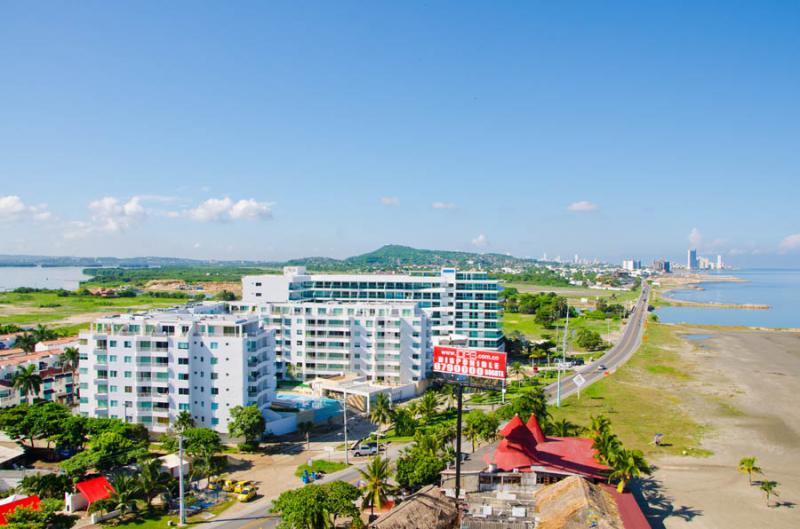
pixel 460 395
pixel 346 448
pixel 564 359
pixel 182 504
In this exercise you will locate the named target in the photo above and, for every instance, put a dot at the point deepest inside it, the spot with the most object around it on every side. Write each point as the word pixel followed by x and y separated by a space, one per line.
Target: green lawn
pixel 645 396
pixel 155 520
pixel 321 465
pixel 526 324
pixel 46 307
pixel 575 292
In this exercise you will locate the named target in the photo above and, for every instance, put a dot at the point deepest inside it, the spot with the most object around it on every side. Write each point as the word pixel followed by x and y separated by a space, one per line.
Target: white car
pixel 365 450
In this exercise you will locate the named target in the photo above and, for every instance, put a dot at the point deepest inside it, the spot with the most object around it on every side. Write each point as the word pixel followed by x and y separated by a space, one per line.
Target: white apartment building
pixel 57 384
pixel 148 367
pixel 456 302
pixel 390 343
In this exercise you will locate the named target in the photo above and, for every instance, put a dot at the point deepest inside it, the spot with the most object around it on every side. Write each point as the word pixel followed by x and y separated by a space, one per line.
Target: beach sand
pixel 751 405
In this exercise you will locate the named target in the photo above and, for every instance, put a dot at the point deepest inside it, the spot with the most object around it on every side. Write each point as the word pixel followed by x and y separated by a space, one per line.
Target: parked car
pixel 242 485
pixel 368 449
pixel 246 494
pixel 229 485
pixel 601 367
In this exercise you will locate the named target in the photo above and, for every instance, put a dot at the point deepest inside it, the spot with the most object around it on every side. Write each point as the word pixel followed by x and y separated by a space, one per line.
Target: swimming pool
pixel 306 402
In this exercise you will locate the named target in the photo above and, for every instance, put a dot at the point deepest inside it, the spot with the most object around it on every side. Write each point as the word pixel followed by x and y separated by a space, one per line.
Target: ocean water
pixel 67 277
pixel 778 288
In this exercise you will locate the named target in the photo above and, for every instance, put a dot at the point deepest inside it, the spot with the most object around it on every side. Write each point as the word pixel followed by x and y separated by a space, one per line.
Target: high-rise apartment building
pixel 148 367
pixel 399 317
pixel 390 343
pixel 691 262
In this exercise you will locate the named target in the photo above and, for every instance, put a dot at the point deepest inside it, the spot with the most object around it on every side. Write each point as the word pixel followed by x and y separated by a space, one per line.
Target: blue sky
pixel 274 130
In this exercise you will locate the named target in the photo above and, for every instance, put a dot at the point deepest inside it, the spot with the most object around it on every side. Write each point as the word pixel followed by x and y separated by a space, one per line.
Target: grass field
pixel 575 292
pixel 526 324
pixel 47 307
pixel 321 465
pixel 643 397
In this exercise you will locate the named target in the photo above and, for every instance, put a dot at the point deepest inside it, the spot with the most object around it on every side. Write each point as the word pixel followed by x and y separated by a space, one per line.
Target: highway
pixel 614 357
pixel 255 515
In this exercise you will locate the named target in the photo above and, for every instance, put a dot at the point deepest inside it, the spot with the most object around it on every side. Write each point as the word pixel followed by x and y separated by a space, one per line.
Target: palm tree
pixel 152 481
pixel 515 370
pixel 183 422
pixel 404 422
pixel 42 333
pixel 27 380
pixel 769 488
pixel 564 428
pixel 473 431
pixel 607 445
pixel 376 487
pixel 627 465
pixel 599 424
pixel 428 405
pixel 448 392
pixel 380 412
pixel 288 368
pixel 747 465
pixel 70 358
pixel 26 342
pixel 305 428
pixel 122 499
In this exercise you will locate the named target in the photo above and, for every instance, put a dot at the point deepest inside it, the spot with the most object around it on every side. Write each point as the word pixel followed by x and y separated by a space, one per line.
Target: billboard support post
pixel 460 397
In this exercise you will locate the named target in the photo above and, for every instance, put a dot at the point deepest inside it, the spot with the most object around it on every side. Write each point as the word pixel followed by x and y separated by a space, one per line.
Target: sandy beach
pixel 750 386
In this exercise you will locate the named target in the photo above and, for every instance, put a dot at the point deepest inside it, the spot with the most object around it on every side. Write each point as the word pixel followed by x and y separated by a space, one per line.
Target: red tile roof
pixel 31 502
pixel 520 450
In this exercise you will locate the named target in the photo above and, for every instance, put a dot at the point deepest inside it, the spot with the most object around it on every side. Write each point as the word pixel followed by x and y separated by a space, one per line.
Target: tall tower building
pixel 692 263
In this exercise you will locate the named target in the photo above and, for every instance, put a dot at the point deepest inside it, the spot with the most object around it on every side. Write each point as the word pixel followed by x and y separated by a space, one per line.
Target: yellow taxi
pixel 229 485
pixel 246 494
pixel 241 485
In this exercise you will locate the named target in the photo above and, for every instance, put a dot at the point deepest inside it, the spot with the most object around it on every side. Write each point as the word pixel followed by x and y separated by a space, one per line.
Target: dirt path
pixel 749 385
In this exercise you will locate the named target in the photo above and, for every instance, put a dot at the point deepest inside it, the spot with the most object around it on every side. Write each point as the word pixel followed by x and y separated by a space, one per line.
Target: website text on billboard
pixel 469 362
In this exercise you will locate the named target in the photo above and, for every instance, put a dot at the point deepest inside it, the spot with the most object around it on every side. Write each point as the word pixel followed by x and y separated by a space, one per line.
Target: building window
pixel 214 421
pixel 183 376
pixel 183 345
pixel 214 345
pixel 183 407
pixel 127 345
pixel 183 361
pixel 215 391
pixel 214 361
pixel 183 391
pixel 214 406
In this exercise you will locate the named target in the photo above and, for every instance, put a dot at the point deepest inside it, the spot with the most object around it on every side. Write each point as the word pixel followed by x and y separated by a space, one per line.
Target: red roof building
pixel 524 448
pixel 31 502
pixel 95 489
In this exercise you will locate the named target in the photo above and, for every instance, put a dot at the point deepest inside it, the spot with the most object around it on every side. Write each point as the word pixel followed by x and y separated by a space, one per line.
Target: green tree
pixel 380 411
pixel 45 485
pixel 563 428
pixel 70 359
pixel 417 468
pixel 749 466
pixel 404 422
pixel 589 339
pixel 123 498
pixel 27 381
pixel 225 295
pixel 183 421
pixel 317 506
pixel 515 370
pixel 376 486
pixel 448 392
pixel 48 516
pixel 26 342
pixel 627 465
pixel 770 488
pixel 152 481
pixel 247 422
pixel 428 405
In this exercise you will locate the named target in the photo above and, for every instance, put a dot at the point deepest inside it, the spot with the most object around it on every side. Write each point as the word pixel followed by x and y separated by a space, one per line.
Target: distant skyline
pixel 273 131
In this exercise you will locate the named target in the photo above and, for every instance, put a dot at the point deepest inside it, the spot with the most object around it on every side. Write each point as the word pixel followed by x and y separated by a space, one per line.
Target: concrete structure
pixel 58 343
pixel 386 342
pixel 631 264
pixel 455 301
pixel 382 326
pixel 691 260
pixel 148 367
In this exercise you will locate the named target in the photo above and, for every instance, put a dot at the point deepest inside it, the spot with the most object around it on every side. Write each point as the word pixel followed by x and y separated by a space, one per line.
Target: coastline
pixel 743 385
pixel 692 281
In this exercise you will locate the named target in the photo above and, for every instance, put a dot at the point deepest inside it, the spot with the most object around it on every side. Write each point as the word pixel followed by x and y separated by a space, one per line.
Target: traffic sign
pixel 579 380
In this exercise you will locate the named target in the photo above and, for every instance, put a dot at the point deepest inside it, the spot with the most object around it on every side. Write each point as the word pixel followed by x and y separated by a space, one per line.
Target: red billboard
pixel 469 362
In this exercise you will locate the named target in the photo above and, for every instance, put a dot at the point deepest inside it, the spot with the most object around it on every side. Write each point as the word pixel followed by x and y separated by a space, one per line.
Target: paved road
pixel 615 357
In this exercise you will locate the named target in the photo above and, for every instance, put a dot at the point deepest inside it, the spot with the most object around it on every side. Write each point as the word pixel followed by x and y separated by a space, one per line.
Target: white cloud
pixel 481 241
pixel 196 245
pixel 443 205
pixel 12 208
pixel 790 243
pixel 225 209
pixel 582 205
pixel 390 201
pixel 111 215
pixel 695 237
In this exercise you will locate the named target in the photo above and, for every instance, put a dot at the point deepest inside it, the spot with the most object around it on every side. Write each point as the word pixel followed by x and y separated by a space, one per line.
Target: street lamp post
pixel 346 448
pixel 181 504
